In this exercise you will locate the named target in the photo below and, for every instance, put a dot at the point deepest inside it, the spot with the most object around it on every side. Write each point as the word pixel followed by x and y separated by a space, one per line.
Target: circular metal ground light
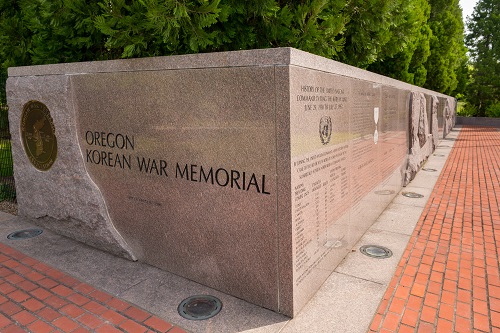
pixel 439 155
pixel 429 169
pixel 199 307
pixel 376 251
pixel 24 234
pixel 385 192
pixel 412 195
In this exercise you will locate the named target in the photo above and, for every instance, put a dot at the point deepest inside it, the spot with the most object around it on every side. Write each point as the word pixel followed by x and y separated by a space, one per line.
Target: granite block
pixel 320 145
pixel 284 191
pixel 375 269
pixel 478 121
pixel 203 156
pixel 398 218
pixel 64 198
pixel 421 142
pixel 440 115
pixel 347 304
pixel 251 172
pixel 434 121
pixel 449 115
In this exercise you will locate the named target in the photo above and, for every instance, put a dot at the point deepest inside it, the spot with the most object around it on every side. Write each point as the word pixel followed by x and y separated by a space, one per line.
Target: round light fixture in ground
pixel 429 169
pixel 24 234
pixel 412 195
pixel 199 307
pixel 376 251
pixel 439 155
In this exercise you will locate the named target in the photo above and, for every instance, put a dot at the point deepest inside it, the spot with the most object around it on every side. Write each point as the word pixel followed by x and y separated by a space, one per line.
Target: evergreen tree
pixel 408 49
pixel 163 27
pixel 391 37
pixel 41 31
pixel 64 31
pixel 483 40
pixel 15 37
pixel 159 27
pixel 371 26
pixel 15 40
pixel 448 51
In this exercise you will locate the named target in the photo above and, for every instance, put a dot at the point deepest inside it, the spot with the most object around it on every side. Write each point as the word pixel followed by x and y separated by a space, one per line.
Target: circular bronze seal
pixel 38 135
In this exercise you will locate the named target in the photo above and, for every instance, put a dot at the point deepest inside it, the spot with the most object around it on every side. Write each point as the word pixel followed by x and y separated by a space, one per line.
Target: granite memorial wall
pixel 252 172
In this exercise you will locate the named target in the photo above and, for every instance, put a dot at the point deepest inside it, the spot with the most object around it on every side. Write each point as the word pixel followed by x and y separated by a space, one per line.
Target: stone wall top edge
pixel 307 60
pixel 259 57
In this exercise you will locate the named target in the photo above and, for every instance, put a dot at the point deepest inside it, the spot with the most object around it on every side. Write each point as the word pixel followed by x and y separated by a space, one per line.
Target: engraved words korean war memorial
pixel 196 173
pixel 251 172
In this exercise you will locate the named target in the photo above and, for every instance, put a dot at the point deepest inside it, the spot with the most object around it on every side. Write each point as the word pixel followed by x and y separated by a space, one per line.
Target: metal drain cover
pixel 199 307
pixel 412 195
pixel 24 234
pixel 385 192
pixel 376 251
pixel 429 169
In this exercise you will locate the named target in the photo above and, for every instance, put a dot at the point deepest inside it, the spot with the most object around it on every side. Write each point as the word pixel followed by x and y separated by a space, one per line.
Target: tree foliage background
pixel 417 41
pixel 483 40
pixel 447 50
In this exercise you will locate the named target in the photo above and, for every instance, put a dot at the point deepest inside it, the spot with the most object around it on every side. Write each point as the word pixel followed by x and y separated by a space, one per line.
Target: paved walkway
pixel 35 297
pixel 448 278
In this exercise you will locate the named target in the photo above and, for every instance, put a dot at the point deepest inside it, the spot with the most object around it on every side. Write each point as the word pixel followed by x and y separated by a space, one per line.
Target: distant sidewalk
pixel 448 279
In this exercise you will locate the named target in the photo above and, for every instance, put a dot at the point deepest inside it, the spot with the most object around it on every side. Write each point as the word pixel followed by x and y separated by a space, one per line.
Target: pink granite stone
pixel 251 172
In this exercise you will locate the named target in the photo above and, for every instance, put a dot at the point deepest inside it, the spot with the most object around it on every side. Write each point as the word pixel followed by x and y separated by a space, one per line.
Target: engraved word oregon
pixel 103 147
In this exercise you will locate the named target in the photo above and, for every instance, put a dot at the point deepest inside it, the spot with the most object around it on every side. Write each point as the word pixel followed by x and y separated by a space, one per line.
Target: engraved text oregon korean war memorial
pixel 251 172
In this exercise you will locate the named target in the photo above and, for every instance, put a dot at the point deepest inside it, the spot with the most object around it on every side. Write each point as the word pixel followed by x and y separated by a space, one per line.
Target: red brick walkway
pixel 448 278
pixel 40 299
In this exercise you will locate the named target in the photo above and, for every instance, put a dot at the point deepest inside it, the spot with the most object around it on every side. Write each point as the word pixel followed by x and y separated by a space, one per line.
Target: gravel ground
pixel 8 207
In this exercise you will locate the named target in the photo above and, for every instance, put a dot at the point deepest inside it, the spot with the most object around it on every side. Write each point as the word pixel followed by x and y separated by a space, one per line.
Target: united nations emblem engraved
pixel 38 135
pixel 325 129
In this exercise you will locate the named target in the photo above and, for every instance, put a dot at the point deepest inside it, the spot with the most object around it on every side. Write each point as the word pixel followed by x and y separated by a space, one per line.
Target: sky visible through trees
pixel 467 7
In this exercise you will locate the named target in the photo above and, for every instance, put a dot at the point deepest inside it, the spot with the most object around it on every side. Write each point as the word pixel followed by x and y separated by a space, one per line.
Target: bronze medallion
pixel 39 135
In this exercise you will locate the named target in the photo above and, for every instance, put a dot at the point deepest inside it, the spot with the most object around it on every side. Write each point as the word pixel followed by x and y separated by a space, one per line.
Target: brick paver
pixel 448 278
pixel 37 298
